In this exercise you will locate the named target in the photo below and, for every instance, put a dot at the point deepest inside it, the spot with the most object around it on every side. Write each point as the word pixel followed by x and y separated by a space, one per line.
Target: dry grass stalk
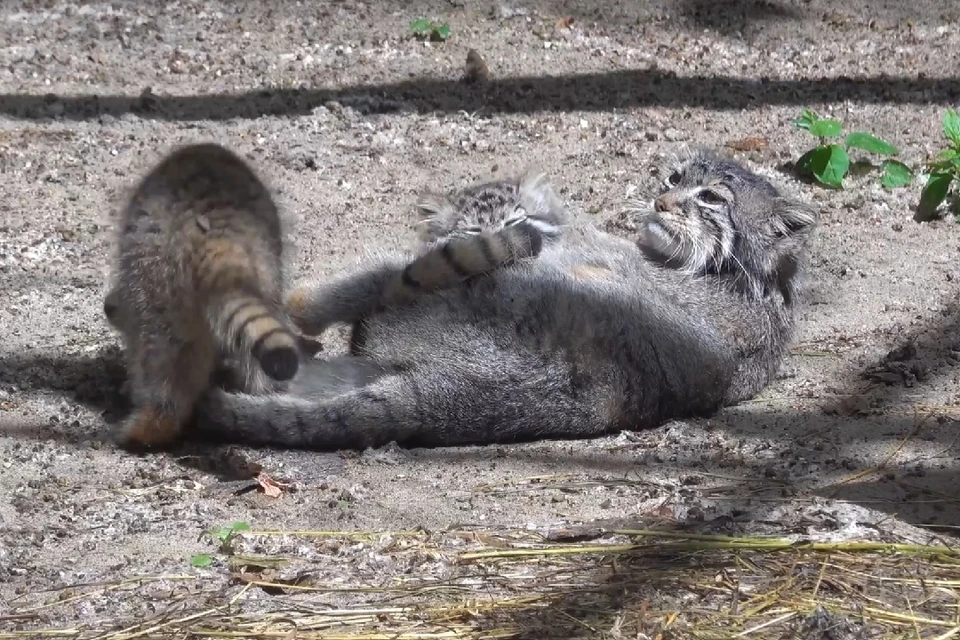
pixel 491 584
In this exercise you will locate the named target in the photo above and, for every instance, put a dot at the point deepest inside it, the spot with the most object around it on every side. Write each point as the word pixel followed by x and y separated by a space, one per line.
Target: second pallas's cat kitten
pixel 597 334
pixel 476 231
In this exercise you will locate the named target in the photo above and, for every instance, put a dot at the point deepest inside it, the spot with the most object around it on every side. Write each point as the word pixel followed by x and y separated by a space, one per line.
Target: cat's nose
pixel 661 204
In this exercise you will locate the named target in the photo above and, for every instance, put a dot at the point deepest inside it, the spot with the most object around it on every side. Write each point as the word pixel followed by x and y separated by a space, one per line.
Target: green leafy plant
pixel 944 171
pixel 428 29
pixel 829 161
pixel 224 537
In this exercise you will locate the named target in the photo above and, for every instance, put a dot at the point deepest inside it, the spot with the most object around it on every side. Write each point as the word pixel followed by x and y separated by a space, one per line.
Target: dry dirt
pixel 348 117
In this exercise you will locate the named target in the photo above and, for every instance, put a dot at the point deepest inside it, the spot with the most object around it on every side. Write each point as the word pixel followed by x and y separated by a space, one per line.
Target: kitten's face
pixel 490 207
pixel 714 216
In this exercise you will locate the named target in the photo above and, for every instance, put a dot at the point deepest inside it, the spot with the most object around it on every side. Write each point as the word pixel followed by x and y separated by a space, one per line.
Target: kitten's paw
pixel 527 240
pixel 305 309
pixel 146 429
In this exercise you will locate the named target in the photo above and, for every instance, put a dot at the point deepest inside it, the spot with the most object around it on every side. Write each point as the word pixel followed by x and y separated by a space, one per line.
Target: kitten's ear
pixel 436 217
pixel 433 205
pixel 539 199
pixel 795 217
pixel 533 181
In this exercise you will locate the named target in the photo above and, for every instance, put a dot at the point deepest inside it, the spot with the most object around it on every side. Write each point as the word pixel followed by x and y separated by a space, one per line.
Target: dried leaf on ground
pixel 753 143
pixel 270 487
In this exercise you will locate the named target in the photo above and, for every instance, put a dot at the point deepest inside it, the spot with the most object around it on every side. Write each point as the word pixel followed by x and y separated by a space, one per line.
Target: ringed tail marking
pixel 462 258
pixel 224 265
pixel 247 320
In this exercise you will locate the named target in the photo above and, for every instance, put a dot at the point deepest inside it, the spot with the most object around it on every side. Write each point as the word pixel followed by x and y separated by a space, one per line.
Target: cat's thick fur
pixel 596 335
pixel 197 280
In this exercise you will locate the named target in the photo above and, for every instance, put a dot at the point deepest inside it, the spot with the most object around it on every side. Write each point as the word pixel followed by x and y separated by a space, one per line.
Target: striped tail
pixel 248 324
pixel 448 264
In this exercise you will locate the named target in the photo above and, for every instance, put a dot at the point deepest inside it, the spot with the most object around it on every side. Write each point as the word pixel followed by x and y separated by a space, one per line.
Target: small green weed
pixel 224 537
pixel 944 171
pixel 829 162
pixel 430 30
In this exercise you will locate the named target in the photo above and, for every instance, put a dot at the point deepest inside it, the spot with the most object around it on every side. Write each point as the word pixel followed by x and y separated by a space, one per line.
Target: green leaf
pixel 895 174
pixel 804 164
pixel 201 560
pixel 871 143
pixel 442 32
pixel 951 126
pixel 240 526
pixel 806 119
pixel 420 26
pixel 948 154
pixel 943 166
pixel 826 128
pixel 829 164
pixel 934 193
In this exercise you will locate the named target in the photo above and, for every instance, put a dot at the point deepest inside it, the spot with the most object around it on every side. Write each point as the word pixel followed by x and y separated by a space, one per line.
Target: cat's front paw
pixel 306 310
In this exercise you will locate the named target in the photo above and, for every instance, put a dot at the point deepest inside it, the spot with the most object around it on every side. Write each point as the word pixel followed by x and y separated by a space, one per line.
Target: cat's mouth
pixel 660 231
pixel 658 236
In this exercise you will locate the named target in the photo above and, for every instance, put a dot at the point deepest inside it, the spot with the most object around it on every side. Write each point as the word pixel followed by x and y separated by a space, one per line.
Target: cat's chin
pixel 656 237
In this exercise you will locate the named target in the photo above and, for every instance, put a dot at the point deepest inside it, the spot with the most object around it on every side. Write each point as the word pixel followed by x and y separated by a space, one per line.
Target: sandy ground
pixel 348 118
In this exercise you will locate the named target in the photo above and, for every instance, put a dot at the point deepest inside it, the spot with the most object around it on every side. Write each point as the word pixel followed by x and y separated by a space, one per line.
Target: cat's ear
pixel 794 224
pixel 436 216
pixel 538 197
pixel 533 181
pixel 794 218
pixel 433 205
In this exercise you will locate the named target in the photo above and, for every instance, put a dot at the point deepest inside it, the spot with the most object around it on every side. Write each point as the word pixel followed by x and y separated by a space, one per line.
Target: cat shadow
pixel 93 380
pixel 733 17
pixel 830 432
pixel 96 381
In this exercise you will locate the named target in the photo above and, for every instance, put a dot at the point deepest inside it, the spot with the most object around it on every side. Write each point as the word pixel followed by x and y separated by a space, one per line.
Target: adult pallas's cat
pixel 597 334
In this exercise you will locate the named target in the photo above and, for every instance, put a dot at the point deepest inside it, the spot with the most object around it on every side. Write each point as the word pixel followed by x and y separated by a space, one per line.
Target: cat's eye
pixel 473 229
pixel 710 197
pixel 673 179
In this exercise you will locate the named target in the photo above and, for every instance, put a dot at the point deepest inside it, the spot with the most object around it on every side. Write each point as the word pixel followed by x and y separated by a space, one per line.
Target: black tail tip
pixel 281 363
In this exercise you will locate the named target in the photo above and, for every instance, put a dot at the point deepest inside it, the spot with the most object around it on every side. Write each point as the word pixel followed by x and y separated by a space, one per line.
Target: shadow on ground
pixel 586 92
pixel 734 16
pixel 868 406
pixel 94 380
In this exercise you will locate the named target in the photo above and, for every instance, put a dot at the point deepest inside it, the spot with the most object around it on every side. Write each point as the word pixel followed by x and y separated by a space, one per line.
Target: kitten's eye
pixel 473 229
pixel 673 179
pixel 710 197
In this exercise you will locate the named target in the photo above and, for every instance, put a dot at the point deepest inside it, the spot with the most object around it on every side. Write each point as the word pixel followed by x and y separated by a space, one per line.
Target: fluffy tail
pixel 450 263
pixel 248 324
pixel 316 305
pixel 411 408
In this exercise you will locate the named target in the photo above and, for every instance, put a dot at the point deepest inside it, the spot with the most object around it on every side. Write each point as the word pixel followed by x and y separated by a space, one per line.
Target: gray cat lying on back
pixel 596 335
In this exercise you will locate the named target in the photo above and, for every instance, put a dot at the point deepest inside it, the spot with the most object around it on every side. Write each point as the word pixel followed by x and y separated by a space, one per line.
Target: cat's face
pixel 712 215
pixel 490 207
